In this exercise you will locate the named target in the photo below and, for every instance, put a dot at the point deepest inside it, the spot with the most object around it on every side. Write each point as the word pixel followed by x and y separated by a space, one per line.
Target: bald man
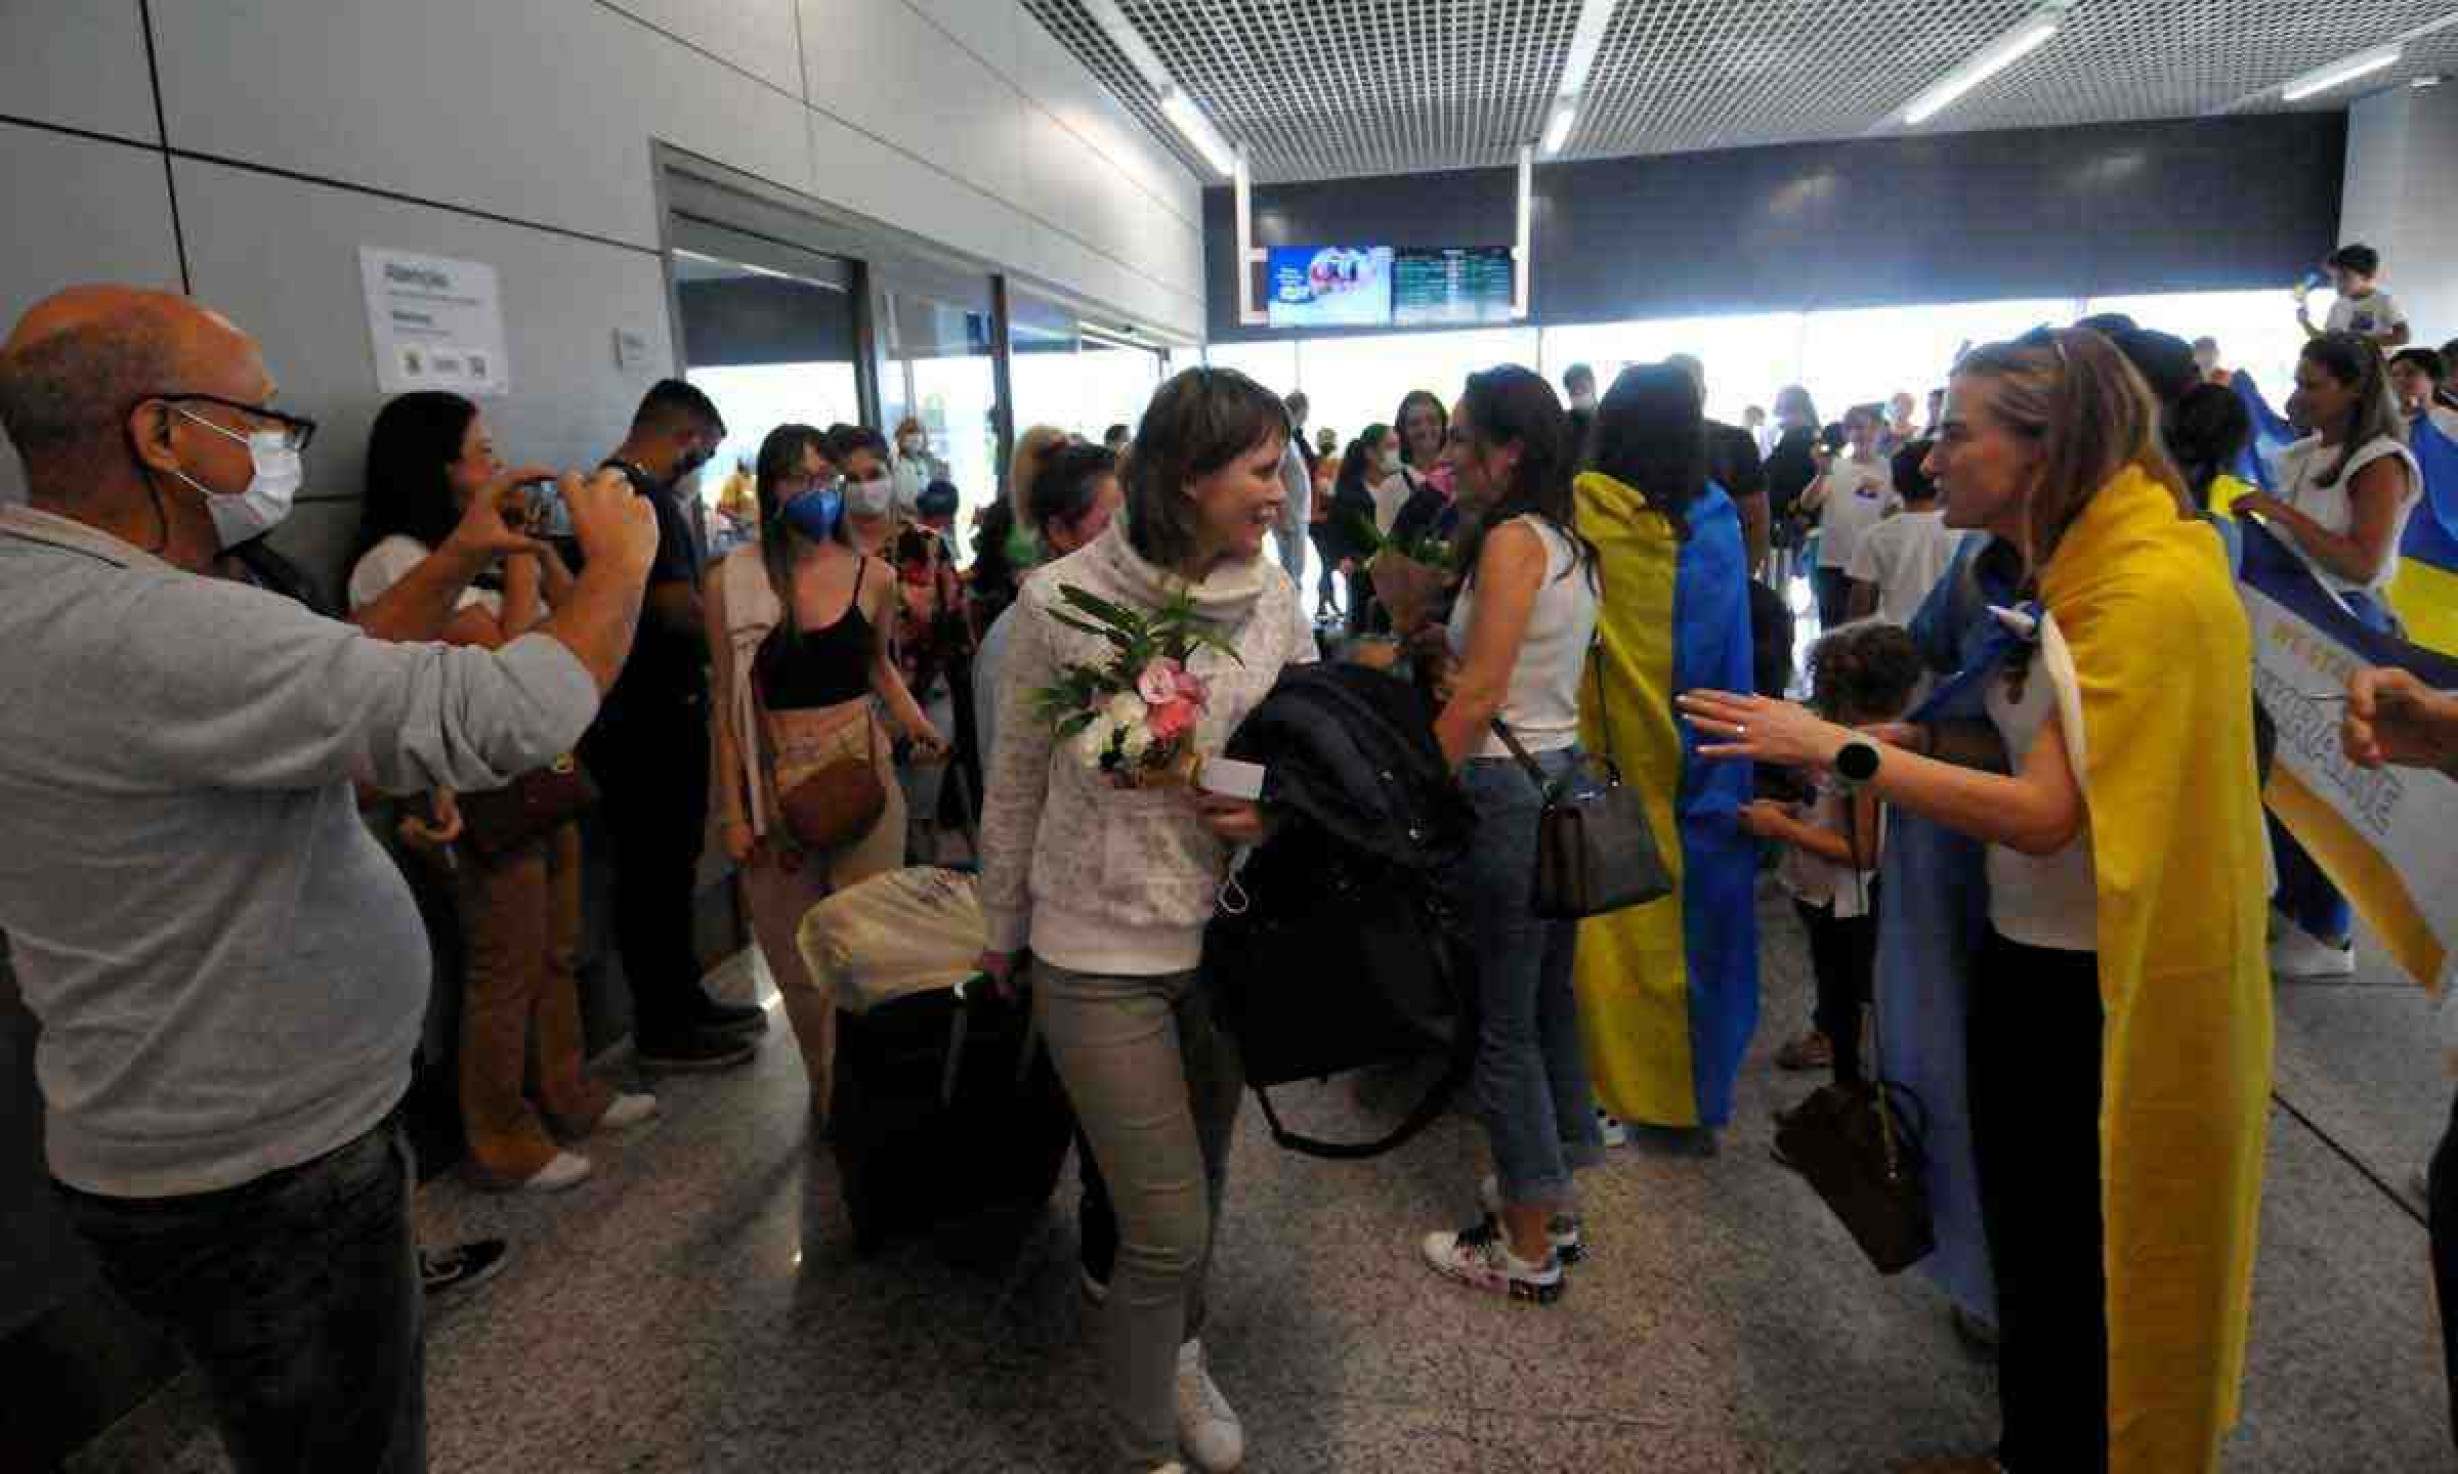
pixel 229 973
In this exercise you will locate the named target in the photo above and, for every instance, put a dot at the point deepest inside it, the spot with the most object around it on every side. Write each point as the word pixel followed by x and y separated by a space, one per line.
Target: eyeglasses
pixel 297 430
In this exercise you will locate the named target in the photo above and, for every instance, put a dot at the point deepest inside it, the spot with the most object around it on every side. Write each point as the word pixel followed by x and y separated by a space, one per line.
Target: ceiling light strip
pixel 2027 35
pixel 2338 73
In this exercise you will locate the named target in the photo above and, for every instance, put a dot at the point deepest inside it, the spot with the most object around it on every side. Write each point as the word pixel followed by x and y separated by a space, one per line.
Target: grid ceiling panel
pixel 1325 89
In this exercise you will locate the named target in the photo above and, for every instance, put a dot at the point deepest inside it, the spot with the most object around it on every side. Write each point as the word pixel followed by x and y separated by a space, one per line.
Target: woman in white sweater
pixel 1109 888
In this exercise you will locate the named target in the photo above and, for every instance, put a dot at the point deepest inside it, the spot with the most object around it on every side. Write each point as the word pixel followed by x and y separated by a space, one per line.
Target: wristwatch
pixel 1856 762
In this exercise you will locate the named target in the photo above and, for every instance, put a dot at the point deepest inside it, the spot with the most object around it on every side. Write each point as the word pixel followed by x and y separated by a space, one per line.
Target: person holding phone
pixel 429 456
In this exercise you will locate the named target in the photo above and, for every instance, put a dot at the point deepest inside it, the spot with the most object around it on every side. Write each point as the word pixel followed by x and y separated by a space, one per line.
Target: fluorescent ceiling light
pixel 1557 132
pixel 2027 36
pixel 2322 79
pixel 1129 41
pixel 1197 129
pixel 1586 39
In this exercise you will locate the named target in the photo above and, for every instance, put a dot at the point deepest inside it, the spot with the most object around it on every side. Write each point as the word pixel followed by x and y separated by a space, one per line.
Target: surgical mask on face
pixel 873 498
pixel 814 514
pixel 691 461
pixel 1388 463
pixel 246 515
pixel 912 445
pixel 1585 399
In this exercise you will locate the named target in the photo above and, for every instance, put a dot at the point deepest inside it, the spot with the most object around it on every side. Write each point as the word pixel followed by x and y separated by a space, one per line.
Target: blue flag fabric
pixel 2271 432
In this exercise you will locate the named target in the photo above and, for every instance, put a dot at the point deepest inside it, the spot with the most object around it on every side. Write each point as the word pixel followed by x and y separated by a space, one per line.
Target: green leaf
pixel 1102 609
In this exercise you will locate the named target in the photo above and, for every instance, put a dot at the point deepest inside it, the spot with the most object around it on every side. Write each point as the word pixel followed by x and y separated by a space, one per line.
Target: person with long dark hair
pixel 1357 513
pixel 1791 465
pixel 1518 637
pixel 2119 1014
pixel 428 456
pixel 1110 887
pixel 2344 495
pixel 798 623
pixel 1668 992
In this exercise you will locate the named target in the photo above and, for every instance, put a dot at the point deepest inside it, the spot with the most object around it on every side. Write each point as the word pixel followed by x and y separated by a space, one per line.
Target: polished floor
pixel 697 1306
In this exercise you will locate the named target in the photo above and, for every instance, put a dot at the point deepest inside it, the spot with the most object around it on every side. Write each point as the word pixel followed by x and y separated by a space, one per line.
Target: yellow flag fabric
pixel 2163 660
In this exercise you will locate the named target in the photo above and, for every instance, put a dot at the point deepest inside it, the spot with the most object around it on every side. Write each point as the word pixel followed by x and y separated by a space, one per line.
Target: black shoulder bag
pixel 1595 851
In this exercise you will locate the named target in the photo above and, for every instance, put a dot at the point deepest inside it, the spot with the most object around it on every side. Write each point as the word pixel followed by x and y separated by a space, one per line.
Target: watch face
pixel 1858 762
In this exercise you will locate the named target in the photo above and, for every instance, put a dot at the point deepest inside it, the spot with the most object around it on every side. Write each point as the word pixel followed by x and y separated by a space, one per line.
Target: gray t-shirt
pixel 229 972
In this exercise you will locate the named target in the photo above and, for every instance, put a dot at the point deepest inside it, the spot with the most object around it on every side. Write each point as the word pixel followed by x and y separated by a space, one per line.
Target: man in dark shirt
pixel 650 754
pixel 1732 460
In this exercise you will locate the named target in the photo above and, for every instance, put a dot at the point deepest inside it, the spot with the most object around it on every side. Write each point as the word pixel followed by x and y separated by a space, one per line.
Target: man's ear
pixel 149 432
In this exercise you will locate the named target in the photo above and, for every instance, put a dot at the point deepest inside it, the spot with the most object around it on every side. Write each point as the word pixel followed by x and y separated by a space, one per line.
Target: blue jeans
pixel 1532 1088
pixel 296 1295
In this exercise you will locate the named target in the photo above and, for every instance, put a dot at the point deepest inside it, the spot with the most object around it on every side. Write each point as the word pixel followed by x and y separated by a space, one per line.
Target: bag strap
pixel 1536 774
pixel 1425 1113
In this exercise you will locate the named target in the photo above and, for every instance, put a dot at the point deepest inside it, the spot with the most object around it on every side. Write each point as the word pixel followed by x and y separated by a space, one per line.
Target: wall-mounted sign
pixel 436 323
pixel 1329 286
pixel 1472 284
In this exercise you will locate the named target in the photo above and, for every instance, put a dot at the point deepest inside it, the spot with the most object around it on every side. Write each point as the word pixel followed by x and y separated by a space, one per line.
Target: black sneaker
pixel 460 1266
pixel 694 1049
pixel 713 1017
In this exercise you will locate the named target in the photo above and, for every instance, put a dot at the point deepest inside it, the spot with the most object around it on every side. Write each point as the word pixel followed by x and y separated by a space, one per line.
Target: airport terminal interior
pixel 1959 499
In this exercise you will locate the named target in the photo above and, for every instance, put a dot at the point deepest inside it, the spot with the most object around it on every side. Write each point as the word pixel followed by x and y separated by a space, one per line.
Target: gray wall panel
pixel 77 64
pixel 281 257
pixel 81 210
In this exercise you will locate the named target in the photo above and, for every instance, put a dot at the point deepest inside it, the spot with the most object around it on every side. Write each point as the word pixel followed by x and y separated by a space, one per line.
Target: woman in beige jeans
pixel 799 622
pixel 428 454
pixel 1110 888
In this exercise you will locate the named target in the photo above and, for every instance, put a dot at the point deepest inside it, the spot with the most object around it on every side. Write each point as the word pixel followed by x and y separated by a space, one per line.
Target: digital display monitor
pixel 1328 286
pixel 1453 284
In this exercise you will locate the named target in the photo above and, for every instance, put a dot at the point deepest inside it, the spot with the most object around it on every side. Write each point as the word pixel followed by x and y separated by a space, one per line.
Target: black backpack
pixel 1337 946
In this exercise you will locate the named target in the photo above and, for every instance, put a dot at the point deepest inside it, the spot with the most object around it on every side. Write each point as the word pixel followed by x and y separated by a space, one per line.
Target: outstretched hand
pixel 1732 725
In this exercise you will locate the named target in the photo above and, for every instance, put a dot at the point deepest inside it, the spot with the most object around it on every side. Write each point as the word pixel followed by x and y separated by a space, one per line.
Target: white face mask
pixel 913 445
pixel 872 498
pixel 246 515
pixel 1585 399
pixel 1388 462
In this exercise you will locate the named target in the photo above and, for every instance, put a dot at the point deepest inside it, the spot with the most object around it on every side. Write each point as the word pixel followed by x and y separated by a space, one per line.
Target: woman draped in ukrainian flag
pixel 2119 1028
pixel 1668 992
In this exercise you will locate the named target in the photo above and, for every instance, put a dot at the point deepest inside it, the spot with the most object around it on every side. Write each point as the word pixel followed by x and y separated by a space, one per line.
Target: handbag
pixel 824 804
pixel 1595 850
pixel 1861 1147
pixel 500 820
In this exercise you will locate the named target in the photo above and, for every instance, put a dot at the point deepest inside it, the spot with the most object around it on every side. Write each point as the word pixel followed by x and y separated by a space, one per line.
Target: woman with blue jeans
pixel 1518 638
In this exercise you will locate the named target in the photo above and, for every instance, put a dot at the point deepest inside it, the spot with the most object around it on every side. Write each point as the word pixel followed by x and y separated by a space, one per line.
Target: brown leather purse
pixel 500 820
pixel 827 803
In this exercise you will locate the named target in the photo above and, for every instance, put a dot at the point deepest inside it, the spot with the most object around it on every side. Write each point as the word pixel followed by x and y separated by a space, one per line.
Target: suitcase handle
pixel 960 1024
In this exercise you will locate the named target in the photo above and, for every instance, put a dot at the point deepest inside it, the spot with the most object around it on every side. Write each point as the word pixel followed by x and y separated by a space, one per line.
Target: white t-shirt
pixel 1818 881
pixel 391 560
pixel 2444 419
pixel 1542 709
pixel 2042 900
pixel 1390 494
pixel 1858 497
pixel 2375 315
pixel 2300 469
pixel 1905 556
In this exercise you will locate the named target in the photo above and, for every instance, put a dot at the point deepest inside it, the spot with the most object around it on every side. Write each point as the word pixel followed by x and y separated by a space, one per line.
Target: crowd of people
pixel 231 973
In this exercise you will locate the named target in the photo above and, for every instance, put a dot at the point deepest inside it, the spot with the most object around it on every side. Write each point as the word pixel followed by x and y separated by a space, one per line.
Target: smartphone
pixel 1229 778
pixel 548 515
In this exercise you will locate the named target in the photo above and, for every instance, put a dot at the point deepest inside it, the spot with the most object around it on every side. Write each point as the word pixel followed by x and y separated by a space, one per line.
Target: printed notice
pixel 436 323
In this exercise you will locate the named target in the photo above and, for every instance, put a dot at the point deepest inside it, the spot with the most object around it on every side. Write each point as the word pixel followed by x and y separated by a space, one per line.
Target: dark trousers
pixel 1834 593
pixel 2441 1194
pixel 650 761
pixel 297 1297
pixel 1843 957
pixel 2033 1037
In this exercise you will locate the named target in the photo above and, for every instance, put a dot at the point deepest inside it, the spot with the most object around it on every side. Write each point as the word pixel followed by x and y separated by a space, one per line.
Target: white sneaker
pixel 627 1111
pixel 1479 1258
pixel 568 1169
pixel 2297 953
pixel 1208 1427
pixel 1561 1229
pixel 1615 1133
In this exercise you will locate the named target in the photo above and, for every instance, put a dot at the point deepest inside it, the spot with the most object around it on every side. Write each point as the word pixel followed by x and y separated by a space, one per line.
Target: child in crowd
pixel 2362 308
pixel 1860 675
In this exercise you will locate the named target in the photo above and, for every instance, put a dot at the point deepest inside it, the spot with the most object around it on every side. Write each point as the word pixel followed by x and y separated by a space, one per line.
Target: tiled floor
pixel 697 1308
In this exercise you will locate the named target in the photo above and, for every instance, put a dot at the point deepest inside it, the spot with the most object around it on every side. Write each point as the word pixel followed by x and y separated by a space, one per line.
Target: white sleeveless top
pixel 1542 708
pixel 2301 467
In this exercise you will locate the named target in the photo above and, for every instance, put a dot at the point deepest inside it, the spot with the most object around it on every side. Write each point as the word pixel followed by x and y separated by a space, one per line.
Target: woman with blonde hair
pixel 2119 1025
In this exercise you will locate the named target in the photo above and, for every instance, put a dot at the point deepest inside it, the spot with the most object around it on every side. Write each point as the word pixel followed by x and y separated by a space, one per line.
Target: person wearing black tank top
pixel 798 626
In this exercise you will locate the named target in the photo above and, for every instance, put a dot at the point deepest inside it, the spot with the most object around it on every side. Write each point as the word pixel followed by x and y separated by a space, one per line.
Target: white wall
pixel 2402 151
pixel 301 129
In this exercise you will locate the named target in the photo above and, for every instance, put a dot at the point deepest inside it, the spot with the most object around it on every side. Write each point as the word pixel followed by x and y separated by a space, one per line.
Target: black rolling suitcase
pixel 946 1106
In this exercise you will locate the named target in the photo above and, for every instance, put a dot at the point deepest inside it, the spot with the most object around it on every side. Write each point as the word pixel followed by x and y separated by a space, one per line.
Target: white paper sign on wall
pixel 436 323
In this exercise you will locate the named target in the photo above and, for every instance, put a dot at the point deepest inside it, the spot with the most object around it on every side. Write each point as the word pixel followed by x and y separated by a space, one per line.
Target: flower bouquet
pixel 1410 575
pixel 1132 717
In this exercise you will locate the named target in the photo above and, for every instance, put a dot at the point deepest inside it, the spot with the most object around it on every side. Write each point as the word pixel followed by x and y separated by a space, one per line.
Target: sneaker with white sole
pixel 1561 1229
pixel 568 1169
pixel 1208 1428
pixel 1480 1259
pixel 2297 953
pixel 1611 1127
pixel 627 1111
